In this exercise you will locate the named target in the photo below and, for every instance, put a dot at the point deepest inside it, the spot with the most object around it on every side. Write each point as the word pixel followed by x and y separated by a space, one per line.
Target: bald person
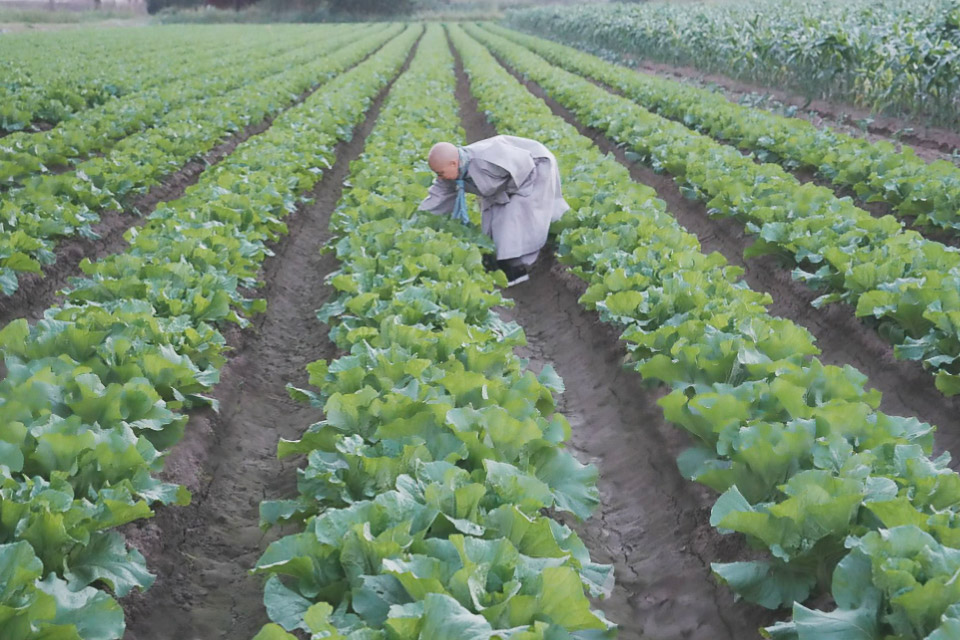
pixel 519 187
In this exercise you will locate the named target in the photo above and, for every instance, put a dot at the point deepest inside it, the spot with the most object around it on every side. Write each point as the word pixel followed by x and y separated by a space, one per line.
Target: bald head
pixel 444 160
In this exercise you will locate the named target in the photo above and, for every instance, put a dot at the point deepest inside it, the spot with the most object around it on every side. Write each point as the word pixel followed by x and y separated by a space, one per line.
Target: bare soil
pixel 652 524
pixel 202 553
pixel 907 389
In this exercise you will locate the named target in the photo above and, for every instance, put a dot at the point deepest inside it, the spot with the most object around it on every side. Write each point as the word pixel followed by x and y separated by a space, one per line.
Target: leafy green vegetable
pixel 877 172
pixel 48 206
pixel 901 282
pixel 808 468
pixel 97 389
pixel 424 498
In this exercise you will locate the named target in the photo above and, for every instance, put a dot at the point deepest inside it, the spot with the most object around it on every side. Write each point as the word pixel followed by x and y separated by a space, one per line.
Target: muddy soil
pixel 652 524
pixel 907 389
pixel 39 292
pixel 201 553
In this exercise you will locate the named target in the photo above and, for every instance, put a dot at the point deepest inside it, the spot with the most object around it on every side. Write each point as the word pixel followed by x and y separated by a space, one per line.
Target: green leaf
pixel 446 619
pixel 273 632
pixel 548 377
pixel 285 606
pixel 948 383
pixel 768 584
pixel 564 603
pixel 574 485
pixel 841 624
pixel 107 559
pixel 95 614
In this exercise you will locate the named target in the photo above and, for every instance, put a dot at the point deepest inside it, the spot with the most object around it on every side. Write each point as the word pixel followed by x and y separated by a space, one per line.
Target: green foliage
pixel 425 495
pixel 892 55
pixel 903 283
pixel 96 390
pixel 49 206
pixel 34 608
pixel 878 172
pixel 170 100
pixel 808 468
pixel 54 77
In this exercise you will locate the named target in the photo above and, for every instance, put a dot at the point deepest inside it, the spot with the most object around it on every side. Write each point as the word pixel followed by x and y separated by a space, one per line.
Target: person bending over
pixel 518 182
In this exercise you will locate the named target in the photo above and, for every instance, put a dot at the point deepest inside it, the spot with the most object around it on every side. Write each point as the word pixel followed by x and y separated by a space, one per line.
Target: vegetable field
pixel 250 391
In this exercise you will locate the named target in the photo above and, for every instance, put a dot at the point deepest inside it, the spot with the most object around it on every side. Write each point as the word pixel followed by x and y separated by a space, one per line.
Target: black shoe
pixel 490 262
pixel 515 273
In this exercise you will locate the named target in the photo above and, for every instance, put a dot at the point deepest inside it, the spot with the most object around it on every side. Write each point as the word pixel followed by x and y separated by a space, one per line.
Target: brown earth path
pixel 202 553
pixel 652 524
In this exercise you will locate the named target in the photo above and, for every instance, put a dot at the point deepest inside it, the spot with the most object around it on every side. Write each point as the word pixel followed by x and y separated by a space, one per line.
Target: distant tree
pixel 156 5
pixel 371 7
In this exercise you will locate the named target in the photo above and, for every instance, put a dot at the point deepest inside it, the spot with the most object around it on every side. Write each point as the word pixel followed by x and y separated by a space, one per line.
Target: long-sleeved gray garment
pixel 518 182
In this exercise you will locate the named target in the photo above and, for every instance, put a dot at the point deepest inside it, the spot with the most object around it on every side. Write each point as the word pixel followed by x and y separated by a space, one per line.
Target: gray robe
pixel 518 182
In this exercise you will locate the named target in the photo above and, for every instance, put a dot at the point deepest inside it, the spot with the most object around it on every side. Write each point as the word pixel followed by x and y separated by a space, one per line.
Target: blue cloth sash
pixel 460 205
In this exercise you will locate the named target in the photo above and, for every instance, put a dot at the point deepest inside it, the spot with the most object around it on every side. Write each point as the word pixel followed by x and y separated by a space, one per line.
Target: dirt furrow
pixel 39 292
pixel 202 553
pixel 907 389
pixel 652 524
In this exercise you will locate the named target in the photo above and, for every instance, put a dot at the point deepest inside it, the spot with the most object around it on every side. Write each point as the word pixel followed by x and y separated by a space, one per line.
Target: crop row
pixel 23 154
pixel 96 390
pixel 877 172
pixel 844 497
pixel 53 206
pixel 889 55
pixel 45 82
pixel 905 284
pixel 424 494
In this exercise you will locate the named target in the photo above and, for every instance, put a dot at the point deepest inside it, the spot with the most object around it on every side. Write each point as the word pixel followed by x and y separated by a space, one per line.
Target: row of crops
pixel 42 84
pixel 423 496
pixel 96 392
pixel 843 496
pixel 896 278
pixel 145 137
pixel 895 56
pixel 432 494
